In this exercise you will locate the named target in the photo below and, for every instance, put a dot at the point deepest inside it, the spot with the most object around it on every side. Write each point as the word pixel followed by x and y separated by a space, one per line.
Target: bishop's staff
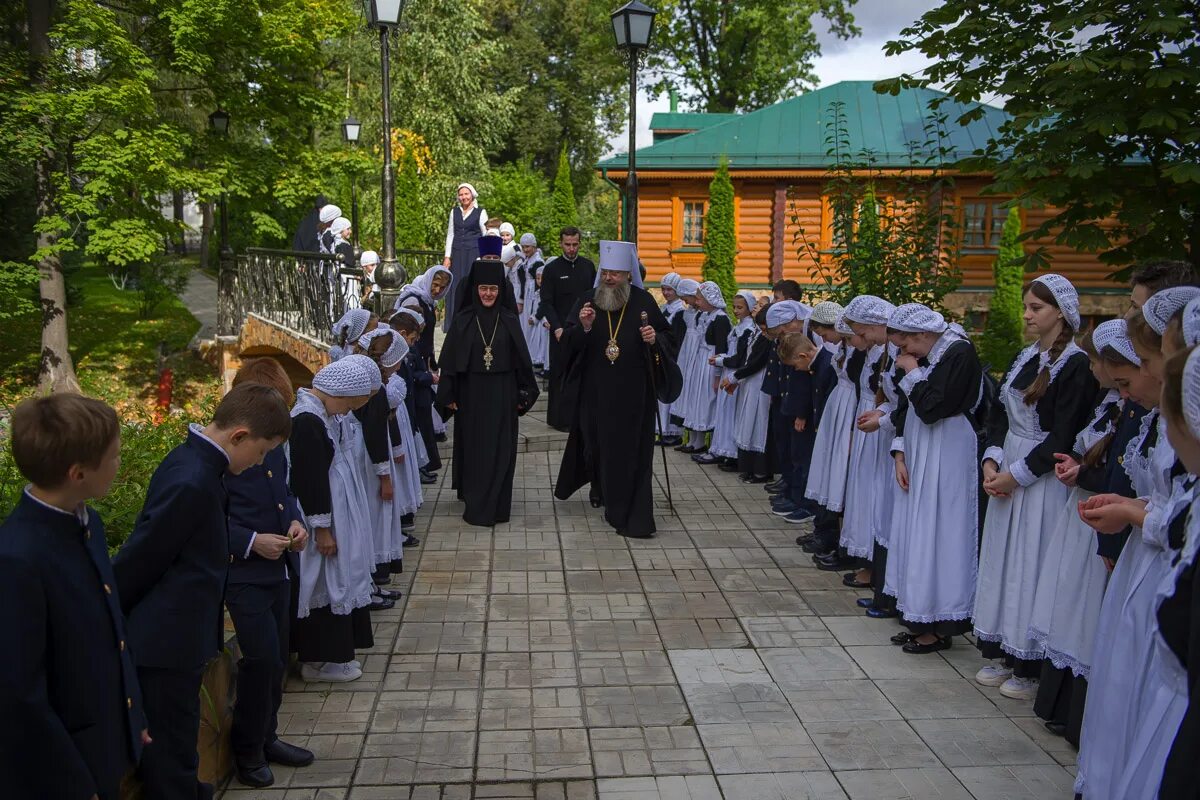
pixel 657 418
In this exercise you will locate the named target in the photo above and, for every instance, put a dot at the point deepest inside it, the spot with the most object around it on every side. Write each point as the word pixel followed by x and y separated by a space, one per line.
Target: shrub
pixel 1003 333
pixel 720 239
pixel 563 211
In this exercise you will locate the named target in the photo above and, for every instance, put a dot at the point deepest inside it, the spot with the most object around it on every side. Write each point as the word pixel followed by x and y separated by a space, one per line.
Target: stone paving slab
pixel 549 659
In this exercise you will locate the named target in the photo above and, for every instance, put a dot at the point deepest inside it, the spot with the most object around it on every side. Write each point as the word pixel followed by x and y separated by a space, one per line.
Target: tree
pixel 56 370
pixel 520 195
pixel 739 55
pixel 720 240
pixel 572 79
pixel 410 227
pixel 1003 334
pixel 891 233
pixel 563 211
pixel 1102 96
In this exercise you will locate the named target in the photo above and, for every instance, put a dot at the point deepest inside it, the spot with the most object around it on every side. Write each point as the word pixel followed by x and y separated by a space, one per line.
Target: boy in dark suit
pixel 71 715
pixel 266 535
pixel 172 572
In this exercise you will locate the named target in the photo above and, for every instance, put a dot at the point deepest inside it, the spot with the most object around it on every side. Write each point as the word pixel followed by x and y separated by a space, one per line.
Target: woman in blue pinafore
pixel 466 225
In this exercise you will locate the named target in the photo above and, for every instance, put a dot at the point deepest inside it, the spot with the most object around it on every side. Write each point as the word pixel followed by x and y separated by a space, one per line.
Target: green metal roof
pixel 791 134
pixel 686 121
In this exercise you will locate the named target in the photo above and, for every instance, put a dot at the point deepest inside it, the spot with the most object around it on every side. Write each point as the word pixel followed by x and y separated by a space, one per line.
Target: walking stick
pixel 657 417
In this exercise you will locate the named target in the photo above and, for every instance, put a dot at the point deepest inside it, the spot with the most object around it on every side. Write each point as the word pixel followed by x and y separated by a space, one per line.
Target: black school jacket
pixel 71 714
pixel 172 569
pixel 261 502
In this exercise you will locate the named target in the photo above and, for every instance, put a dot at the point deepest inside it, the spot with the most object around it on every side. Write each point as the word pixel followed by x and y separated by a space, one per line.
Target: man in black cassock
pixel 487 382
pixel 614 366
pixel 564 280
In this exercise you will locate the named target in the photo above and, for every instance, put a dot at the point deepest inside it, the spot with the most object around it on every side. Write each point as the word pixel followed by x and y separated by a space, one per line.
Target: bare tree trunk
pixel 206 228
pixel 177 213
pixel 56 371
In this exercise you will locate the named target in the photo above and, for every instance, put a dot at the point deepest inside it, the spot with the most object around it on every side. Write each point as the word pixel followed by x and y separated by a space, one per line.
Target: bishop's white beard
pixel 611 299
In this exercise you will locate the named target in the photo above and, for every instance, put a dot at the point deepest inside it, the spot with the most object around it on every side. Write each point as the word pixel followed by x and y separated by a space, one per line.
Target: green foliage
pixel 18 289
pixel 116 351
pixel 561 52
pixel 893 234
pixel 599 210
pixel 143 447
pixel 520 195
pixel 563 211
pixel 740 55
pixel 410 228
pixel 1003 335
pixel 158 281
pixel 1103 97
pixel 720 242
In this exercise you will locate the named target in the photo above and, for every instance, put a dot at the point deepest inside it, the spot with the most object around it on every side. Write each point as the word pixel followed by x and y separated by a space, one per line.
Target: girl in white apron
pixel 1046 399
pixel 828 474
pixel 753 406
pixel 712 327
pixel 724 447
pixel 335 567
pixel 931 561
pixel 1066 603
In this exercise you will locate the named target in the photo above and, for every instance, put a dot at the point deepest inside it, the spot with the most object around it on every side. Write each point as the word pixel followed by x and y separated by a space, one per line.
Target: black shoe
pixel 259 775
pixel 755 479
pixel 410 541
pixel 775 487
pixel 804 539
pixel 628 535
pixel 280 752
pixel 835 563
pixel 381 603
pixel 429 479
pixel 388 594
pixel 685 448
pixel 705 458
pixel 670 441
pixel 728 466
pixel 815 547
pixel 441 437
pixel 915 648
pixel 852 581
pixel 1056 728
pixel 882 613
pixel 903 637
pixel 594 499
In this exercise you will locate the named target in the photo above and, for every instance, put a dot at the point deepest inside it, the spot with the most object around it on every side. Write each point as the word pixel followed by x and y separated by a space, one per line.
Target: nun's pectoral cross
pixel 487 357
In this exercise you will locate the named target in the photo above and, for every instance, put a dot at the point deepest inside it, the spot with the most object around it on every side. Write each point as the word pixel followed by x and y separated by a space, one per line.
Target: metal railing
pixel 298 290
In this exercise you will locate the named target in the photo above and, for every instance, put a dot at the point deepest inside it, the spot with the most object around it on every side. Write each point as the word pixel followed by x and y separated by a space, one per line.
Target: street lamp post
pixel 385 15
pixel 351 128
pixel 218 123
pixel 633 24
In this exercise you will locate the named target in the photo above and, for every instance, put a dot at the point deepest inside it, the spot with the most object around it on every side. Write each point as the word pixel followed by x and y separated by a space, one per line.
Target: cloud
pixel 858 59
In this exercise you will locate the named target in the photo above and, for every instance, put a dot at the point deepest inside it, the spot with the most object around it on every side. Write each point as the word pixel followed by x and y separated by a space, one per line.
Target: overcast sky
pixel 860 58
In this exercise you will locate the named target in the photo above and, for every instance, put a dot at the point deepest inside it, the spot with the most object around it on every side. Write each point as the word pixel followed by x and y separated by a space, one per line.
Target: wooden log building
pixel 779 166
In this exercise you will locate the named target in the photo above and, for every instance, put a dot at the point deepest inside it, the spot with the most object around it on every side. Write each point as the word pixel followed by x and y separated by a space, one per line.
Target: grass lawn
pixel 116 354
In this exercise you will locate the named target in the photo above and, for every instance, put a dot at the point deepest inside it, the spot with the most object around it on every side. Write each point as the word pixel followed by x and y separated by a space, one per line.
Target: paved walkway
pixel 200 298
pixel 549 659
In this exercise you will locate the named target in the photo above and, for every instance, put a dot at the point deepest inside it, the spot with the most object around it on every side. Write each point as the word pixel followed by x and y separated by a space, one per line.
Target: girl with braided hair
pixel 1047 397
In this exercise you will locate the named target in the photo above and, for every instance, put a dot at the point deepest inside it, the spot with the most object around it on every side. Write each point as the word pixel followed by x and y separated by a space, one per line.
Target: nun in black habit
pixel 487 382
pixel 619 366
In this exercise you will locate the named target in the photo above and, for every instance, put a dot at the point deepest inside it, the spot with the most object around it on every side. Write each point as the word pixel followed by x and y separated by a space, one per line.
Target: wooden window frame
pixel 680 203
pixel 884 202
pixel 994 212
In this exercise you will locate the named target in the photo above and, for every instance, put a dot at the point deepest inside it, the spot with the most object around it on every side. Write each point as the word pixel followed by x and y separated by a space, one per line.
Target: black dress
pixel 463 251
pixel 488 377
pixel 611 444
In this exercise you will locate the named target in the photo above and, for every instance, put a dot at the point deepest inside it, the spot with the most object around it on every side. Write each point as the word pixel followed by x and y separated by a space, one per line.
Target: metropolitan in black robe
pixel 564 281
pixel 611 443
pixel 487 382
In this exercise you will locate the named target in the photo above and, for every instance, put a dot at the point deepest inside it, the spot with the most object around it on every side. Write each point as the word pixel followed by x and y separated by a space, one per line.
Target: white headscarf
pixel 1191 323
pixel 1163 305
pixel 353 376
pixel 474 194
pixel 712 293
pixel 1065 295
pixel 339 226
